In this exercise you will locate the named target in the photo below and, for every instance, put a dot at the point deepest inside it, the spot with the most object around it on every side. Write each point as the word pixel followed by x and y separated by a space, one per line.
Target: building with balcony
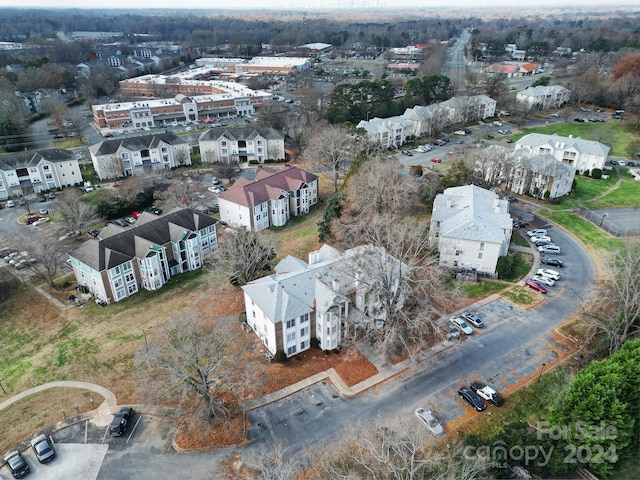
pixel 240 145
pixel 142 155
pixel 121 261
pixel 544 97
pixel 33 172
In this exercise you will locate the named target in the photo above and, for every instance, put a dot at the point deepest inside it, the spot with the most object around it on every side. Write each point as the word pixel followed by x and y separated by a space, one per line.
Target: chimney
pixel 336 285
pixel 448 202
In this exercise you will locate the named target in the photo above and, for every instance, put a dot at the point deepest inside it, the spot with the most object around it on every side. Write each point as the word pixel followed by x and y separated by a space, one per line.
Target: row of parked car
pixel 43 450
pixel 18 260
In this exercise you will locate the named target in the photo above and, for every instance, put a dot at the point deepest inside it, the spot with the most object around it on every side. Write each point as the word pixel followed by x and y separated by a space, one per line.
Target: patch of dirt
pixel 25 419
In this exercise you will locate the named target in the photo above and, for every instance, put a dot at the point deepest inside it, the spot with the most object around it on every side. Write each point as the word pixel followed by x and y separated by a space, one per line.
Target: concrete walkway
pixel 108 405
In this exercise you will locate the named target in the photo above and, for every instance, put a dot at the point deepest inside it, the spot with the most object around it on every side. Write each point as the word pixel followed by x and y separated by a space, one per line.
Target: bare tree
pixel 49 256
pixel 111 167
pixel 396 449
pixel 77 214
pixel 197 366
pixel 182 193
pixel 244 255
pixel 616 307
pixel 332 147
pixel 273 462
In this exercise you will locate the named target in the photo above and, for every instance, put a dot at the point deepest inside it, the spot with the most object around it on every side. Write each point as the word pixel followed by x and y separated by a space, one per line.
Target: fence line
pixel 600 221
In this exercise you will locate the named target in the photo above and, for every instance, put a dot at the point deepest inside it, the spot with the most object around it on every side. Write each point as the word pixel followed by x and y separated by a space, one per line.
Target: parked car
pixel 155 210
pixel 43 449
pixel 42 198
pixel 461 325
pixel 547 272
pixel 93 232
pixel 429 421
pixel 130 220
pixel 122 222
pixel 536 231
pixel 473 319
pixel 472 398
pixel 613 162
pixel 520 224
pixel 621 163
pixel 546 281
pixel 33 219
pixel 487 393
pixel 460 132
pixel 538 238
pixel 553 261
pixel 215 189
pixel 436 160
pixel 17 466
pixel 10 204
pixel 536 286
pixel 44 211
pixel 550 249
pixel 407 153
pixel 120 421
pixel 52 196
pixel 215 181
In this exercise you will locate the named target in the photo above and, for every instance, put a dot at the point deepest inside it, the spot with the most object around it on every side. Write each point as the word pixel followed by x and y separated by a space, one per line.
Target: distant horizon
pixel 369 5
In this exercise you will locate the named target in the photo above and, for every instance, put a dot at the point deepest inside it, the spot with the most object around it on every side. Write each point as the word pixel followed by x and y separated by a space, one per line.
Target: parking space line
pixel 133 429
pixel 104 437
pixel 86 430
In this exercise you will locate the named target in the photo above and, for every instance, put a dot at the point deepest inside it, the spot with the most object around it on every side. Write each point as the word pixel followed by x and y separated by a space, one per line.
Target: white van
pixel 11 204
pixel 550 249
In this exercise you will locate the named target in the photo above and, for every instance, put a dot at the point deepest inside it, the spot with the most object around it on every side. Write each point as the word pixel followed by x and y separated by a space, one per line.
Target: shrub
pixel 242 317
pixel 596 173
pixel 547 194
pixel 253 162
pixel 416 170
pixel 315 342
pixel 280 356
pixel 587 173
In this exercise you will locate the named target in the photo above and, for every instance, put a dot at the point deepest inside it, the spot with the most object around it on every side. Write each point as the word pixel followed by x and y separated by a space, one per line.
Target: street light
pixel 541 369
pixel 368 115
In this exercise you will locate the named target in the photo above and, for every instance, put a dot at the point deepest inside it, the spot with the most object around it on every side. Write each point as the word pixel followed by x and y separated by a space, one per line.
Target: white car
pixel 461 325
pixel 547 272
pixel 215 189
pixel 429 421
pixel 546 281
pixel 540 238
pixel 460 132
pixel 536 231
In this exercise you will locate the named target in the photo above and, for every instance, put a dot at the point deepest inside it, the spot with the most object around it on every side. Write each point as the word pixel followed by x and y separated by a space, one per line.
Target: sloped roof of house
pixel 502 68
pixel 117 245
pixel 528 67
pixel 267 186
pixel 287 295
pixel 554 142
pixel 472 213
pixel 242 133
pixel 135 144
pixel 545 164
pixel 467 100
pixel 542 90
pixel 12 161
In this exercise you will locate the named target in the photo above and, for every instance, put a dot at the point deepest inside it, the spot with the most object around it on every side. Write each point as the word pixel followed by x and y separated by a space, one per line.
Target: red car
pixel 436 160
pixel 136 215
pixel 536 286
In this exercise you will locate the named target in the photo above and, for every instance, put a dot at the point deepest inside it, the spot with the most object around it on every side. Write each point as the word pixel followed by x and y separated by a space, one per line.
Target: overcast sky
pixel 265 4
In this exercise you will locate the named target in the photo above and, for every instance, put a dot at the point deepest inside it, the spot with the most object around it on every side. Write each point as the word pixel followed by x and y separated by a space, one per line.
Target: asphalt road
pixel 513 345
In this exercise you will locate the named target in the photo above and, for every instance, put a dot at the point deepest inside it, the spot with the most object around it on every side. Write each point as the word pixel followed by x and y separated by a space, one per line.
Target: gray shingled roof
pixel 116 247
pixel 471 215
pixel 12 161
pixel 587 147
pixel 142 142
pixel 242 133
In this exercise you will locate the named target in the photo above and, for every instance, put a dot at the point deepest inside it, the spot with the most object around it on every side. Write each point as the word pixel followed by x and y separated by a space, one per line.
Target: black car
pixel 43 449
pixel 120 421
pixel 18 467
pixel 553 261
pixel 93 232
pixel 472 397
pixel 155 210
pixel 42 198
pixel 520 224
pixel 486 392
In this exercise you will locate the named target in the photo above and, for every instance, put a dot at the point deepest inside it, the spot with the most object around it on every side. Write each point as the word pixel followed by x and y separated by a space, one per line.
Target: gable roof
pixel 555 142
pixel 12 161
pixel 542 90
pixel 242 133
pixel 117 245
pixel 472 213
pixel 135 144
pixel 267 186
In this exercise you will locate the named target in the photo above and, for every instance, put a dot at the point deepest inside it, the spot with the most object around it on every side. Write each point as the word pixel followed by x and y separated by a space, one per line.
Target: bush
pixel 596 173
pixel 547 194
pixel 242 317
pixel 416 171
pixel 280 357
pixel 587 173
pixel 315 342
pixel 253 162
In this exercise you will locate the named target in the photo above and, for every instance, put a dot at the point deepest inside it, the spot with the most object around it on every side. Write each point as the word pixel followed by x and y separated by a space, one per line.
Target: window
pixel 303 345
pixel 291 323
pixel 458 242
pixel 291 350
pixel 291 336
pixel 304 318
pixel 304 331
pixel 480 256
pixel 481 245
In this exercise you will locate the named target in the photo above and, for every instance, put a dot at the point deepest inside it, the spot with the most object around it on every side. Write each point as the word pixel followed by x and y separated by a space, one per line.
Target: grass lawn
pixel 618 135
pixel 626 194
pixel 586 231
pixel 517 237
pixel 484 288
pixel 523 296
